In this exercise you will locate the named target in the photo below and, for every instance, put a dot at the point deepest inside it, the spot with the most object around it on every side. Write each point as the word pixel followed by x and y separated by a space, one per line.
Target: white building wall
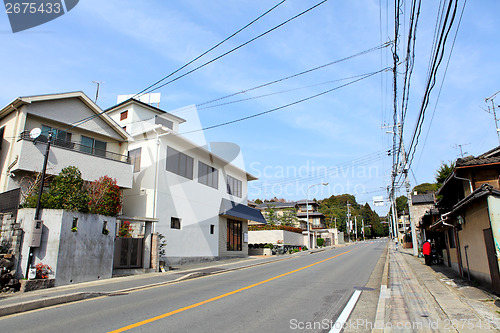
pixel 275 237
pixel 196 204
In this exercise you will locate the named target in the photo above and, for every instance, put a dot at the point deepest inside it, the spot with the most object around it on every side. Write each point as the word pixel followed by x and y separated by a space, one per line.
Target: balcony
pixel 78 147
pixel 92 163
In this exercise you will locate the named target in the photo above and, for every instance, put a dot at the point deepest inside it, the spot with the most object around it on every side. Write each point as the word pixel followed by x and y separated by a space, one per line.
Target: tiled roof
pixel 265 205
pixel 470 160
pixel 422 198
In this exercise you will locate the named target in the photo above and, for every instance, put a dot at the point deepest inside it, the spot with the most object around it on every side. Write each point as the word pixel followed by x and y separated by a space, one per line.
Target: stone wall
pixel 11 235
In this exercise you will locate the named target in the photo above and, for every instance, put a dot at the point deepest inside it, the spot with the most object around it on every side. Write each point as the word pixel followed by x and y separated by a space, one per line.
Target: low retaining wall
pixel 260 252
pixel 29 285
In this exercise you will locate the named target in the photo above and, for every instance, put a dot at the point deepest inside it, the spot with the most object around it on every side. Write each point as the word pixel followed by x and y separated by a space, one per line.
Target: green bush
pixel 69 191
pixel 269 246
pixel 66 191
pixel 320 241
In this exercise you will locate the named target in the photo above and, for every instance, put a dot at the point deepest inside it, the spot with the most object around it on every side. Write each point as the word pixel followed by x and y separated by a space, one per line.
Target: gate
pixel 128 252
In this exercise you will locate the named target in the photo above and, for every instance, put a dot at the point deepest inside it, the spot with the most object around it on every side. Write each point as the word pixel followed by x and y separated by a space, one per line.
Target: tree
pixel 271 215
pixel 258 201
pixel 289 216
pixel 401 203
pixel 443 172
pixel 426 188
pixel 104 197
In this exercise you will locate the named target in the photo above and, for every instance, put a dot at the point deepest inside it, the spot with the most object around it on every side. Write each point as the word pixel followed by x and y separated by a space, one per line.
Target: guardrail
pixel 78 148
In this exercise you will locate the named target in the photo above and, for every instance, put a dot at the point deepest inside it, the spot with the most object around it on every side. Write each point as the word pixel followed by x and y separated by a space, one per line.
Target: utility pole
pixel 356 228
pixel 348 226
pixel 494 112
pixel 363 228
pixel 97 91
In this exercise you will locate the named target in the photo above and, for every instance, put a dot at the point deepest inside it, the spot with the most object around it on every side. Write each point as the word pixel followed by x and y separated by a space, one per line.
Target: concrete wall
pixel 81 256
pixel 276 237
pixel 476 219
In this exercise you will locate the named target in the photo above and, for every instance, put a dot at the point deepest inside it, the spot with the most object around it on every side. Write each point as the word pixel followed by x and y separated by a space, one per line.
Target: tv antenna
pixel 97 91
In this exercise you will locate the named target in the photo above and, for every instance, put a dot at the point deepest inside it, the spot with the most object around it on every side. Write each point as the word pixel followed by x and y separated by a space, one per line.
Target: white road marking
pixel 342 319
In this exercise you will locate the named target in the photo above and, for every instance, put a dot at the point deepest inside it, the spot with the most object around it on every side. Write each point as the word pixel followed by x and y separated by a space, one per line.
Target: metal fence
pixel 78 147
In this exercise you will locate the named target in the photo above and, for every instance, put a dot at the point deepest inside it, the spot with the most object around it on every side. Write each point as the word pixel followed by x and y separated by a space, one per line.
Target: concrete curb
pixel 46 302
pixel 385 294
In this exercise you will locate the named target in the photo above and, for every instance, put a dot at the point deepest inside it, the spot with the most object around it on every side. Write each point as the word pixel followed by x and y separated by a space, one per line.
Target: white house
pixel 82 136
pixel 97 146
pixel 198 198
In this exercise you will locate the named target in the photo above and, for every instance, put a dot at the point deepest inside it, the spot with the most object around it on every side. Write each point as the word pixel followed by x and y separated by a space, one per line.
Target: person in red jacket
pixel 426 249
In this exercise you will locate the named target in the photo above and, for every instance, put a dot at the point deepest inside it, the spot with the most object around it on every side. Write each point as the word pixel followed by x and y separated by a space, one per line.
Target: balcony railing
pixel 69 145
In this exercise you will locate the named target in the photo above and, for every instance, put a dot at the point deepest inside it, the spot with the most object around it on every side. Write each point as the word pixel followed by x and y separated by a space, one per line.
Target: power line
pixel 240 46
pixel 272 94
pixel 363 160
pixel 438 56
pixel 379 47
pixel 442 82
pixel 211 49
pixel 284 106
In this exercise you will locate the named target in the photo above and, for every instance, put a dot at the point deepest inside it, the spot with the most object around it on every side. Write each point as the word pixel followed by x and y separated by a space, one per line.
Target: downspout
pixel 460 178
pixel 155 197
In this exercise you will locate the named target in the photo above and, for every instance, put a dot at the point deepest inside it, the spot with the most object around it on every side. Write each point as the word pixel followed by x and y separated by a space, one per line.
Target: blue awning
pixel 233 209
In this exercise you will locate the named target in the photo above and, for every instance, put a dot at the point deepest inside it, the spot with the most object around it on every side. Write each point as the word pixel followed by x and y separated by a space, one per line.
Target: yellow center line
pixel 168 314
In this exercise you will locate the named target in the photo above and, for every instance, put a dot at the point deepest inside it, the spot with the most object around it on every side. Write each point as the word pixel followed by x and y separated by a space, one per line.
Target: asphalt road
pixel 290 295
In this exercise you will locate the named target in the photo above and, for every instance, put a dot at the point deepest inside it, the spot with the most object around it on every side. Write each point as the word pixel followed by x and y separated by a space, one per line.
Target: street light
pixel 307 213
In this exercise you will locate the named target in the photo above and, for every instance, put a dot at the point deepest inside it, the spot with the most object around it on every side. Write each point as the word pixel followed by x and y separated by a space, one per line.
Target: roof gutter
pixel 460 178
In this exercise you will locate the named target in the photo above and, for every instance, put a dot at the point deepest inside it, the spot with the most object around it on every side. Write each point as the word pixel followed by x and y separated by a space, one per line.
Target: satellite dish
pixel 35 133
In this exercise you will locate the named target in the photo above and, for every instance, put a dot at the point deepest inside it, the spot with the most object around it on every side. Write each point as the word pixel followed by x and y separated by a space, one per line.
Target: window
pixel 135 158
pixel 1 136
pixel 212 229
pixel 179 163
pixel 59 138
pixel 234 235
pixel 234 186
pixel 208 175
pixel 124 115
pixel 175 223
pixel 92 146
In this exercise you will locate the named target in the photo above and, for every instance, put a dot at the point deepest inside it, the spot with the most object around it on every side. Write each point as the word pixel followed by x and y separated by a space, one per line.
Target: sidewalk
pixel 21 302
pixel 433 299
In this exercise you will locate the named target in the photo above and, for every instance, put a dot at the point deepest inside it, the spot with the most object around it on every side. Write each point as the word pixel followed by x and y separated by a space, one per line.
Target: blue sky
pixel 130 44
